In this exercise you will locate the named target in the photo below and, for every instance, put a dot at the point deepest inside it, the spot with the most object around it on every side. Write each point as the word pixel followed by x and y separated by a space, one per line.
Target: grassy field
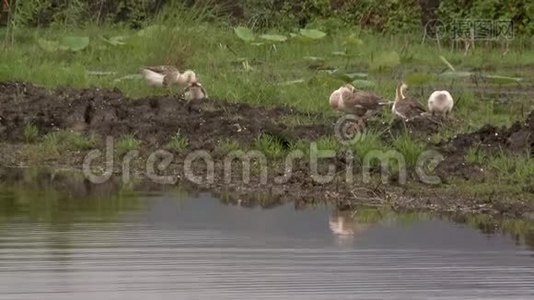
pixel 300 69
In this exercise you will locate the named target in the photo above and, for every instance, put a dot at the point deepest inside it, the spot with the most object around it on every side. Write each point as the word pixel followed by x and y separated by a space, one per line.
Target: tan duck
pixel 195 91
pixel 350 100
pixel 167 75
pixel 440 102
pixel 406 108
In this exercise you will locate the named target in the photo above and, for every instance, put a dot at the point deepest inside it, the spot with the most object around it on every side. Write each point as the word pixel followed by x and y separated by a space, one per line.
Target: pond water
pixel 69 241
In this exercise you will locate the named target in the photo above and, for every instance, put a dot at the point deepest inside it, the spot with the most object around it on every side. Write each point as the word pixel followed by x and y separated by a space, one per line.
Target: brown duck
pixel 350 100
pixel 406 108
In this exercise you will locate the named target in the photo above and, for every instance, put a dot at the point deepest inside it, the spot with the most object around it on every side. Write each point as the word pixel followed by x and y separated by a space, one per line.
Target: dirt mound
pixel 517 138
pixel 153 119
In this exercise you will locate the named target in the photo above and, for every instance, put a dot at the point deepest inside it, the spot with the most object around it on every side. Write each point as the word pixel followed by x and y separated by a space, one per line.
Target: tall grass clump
pixel 31 133
pixel 178 143
pixel 513 169
pixel 228 145
pixel 409 148
pixel 269 145
pixel 127 143
pixel 368 141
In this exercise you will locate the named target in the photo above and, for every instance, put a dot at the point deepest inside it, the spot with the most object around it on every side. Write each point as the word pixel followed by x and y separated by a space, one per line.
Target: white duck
pixel 440 102
pixel 167 75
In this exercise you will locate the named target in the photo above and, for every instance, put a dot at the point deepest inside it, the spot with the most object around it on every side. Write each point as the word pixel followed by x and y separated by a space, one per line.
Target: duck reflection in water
pixel 345 224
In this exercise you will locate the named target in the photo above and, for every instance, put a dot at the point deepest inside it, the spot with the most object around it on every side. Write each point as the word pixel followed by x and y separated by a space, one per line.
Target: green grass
pixel 228 145
pixel 31 133
pixel 270 146
pixel 410 149
pixel 258 74
pixel 127 143
pixel 368 141
pixel 505 169
pixel 67 140
pixel 513 169
pixel 178 143
pixel 54 144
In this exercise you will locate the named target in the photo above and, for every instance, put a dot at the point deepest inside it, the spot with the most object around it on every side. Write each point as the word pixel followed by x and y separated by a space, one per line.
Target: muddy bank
pixel 154 120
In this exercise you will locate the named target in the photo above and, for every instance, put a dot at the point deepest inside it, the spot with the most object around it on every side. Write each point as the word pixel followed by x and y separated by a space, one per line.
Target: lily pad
pixel 150 30
pixel 314 58
pixel 129 77
pixel 385 60
pixel 340 53
pixel 313 34
pixel 274 37
pixel 353 40
pixel 419 78
pixel 244 34
pixel 455 75
pixel 292 82
pixel 503 79
pixel 74 43
pixel 114 41
pixel 360 83
pixel 49 46
pixel 357 75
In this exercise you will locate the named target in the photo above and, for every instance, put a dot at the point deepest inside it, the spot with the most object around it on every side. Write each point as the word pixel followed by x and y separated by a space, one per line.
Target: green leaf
pixel 455 75
pixel 151 30
pixel 445 61
pixel 129 77
pixel 419 78
pixel 74 43
pixel 353 40
pixel 502 79
pixel 313 34
pixel 340 53
pixel 357 75
pixel 385 60
pixel 291 82
pixel 360 83
pixel 244 33
pixel 314 58
pixel 49 46
pixel 114 41
pixel 274 37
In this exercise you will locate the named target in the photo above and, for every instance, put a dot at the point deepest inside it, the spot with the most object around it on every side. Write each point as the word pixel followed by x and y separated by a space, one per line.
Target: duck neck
pixel 399 92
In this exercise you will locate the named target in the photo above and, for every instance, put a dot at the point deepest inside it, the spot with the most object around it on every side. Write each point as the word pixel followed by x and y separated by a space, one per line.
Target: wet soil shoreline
pixel 153 120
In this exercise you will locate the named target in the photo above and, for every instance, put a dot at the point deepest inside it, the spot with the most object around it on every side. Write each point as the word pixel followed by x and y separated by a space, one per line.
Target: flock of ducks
pixel 350 100
pixel 346 99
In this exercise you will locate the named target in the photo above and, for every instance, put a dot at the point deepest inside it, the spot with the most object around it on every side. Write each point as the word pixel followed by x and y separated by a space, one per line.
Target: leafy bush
pixel 390 16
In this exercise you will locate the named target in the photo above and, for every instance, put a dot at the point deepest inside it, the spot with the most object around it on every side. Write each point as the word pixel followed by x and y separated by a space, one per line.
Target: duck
pixel 195 91
pixel 406 108
pixel 350 100
pixel 440 102
pixel 167 75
